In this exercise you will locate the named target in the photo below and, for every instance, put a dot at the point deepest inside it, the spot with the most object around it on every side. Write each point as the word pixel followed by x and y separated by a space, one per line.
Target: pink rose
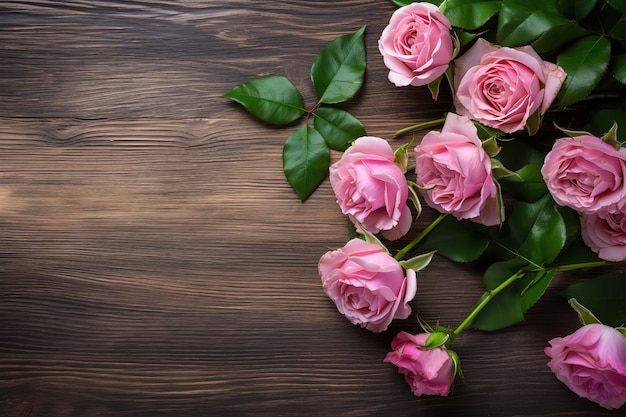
pixel 605 233
pixel 454 172
pixel 427 371
pixel 586 174
pixel 592 363
pixel 416 45
pixel 367 284
pixel 371 188
pixel 502 87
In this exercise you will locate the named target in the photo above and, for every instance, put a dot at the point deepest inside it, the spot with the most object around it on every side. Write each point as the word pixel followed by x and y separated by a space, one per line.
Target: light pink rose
pixel 454 172
pixel 416 45
pixel 605 233
pixel 429 372
pixel 592 363
pixel 586 174
pixel 367 284
pixel 502 87
pixel 371 188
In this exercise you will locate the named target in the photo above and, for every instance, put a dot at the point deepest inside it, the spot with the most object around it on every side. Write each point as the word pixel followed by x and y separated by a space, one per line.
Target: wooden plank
pixel 153 259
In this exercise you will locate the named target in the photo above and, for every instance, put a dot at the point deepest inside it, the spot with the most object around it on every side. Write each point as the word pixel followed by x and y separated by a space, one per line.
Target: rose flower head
pixel 586 174
pixel 371 188
pixel 416 45
pixel 592 363
pixel 367 284
pixel 454 172
pixel 428 371
pixel 503 87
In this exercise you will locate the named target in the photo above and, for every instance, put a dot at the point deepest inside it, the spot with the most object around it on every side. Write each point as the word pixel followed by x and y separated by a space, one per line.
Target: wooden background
pixel 153 259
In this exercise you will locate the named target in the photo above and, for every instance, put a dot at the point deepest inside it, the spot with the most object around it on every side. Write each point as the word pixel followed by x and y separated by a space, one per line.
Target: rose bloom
pixel 416 45
pixel 586 174
pixel 605 233
pixel 371 188
pixel 454 172
pixel 367 284
pixel 592 363
pixel 502 87
pixel 429 372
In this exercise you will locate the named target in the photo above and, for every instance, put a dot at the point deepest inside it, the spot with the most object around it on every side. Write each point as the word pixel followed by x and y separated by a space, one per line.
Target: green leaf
pixel 585 62
pixel 527 185
pixel 273 99
pixel 584 314
pixel 619 68
pixel 338 127
pixel 536 288
pixel 419 262
pixel 306 159
pixel 338 70
pixel 620 5
pixel 498 272
pixel 556 38
pixel 458 240
pixel 576 9
pixel 522 21
pixel 503 310
pixel 470 14
pixel 604 296
pixel 536 230
pixel 604 115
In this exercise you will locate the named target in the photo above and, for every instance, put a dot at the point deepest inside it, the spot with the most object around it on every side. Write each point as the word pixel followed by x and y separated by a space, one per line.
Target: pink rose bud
pixel 367 284
pixel 427 371
pixel 502 87
pixel 586 174
pixel 592 363
pixel 605 233
pixel 416 45
pixel 454 172
pixel 371 188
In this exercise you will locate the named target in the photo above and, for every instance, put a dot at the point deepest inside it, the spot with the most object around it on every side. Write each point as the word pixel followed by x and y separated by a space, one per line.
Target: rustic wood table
pixel 155 262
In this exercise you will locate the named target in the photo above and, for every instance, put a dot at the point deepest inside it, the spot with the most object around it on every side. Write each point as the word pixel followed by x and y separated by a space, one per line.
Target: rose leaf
pixel 458 240
pixel 306 159
pixel 585 62
pixel 522 21
pixel 338 127
pixel 273 99
pixel 338 70
pixel 470 14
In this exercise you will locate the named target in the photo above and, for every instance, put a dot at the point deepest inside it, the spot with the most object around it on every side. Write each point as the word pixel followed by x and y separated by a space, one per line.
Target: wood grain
pixel 153 259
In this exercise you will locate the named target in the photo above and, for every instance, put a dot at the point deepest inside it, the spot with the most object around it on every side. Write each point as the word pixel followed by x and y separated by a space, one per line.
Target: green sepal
pixel 414 197
pixel 500 171
pixel 610 137
pixel 436 340
pixel 401 157
pixel 490 145
pixel 584 314
pixel 533 123
pixel 572 133
pixel 419 262
pixel 456 361
pixel 306 159
pixel 273 99
pixel 338 70
pixel 433 87
pixel 371 238
pixel 605 295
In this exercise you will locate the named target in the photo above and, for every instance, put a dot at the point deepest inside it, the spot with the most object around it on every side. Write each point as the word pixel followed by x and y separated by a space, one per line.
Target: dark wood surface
pixel 153 259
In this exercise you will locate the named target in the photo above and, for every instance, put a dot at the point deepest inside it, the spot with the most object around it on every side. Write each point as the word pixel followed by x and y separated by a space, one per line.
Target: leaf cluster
pixel 337 74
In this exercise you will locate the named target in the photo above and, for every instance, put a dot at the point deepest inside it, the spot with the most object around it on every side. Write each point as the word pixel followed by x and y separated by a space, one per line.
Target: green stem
pixel 419 237
pixel 485 299
pixel 422 125
pixel 572 267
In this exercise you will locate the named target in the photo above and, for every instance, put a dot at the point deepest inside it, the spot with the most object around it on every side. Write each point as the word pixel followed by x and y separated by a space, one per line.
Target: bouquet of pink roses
pixel 527 173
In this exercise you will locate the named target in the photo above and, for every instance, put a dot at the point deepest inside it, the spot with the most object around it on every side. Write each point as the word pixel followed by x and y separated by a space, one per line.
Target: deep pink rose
pixel 367 284
pixel 502 87
pixel 371 188
pixel 592 363
pixel 429 372
pixel 454 172
pixel 586 174
pixel 605 233
pixel 416 45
